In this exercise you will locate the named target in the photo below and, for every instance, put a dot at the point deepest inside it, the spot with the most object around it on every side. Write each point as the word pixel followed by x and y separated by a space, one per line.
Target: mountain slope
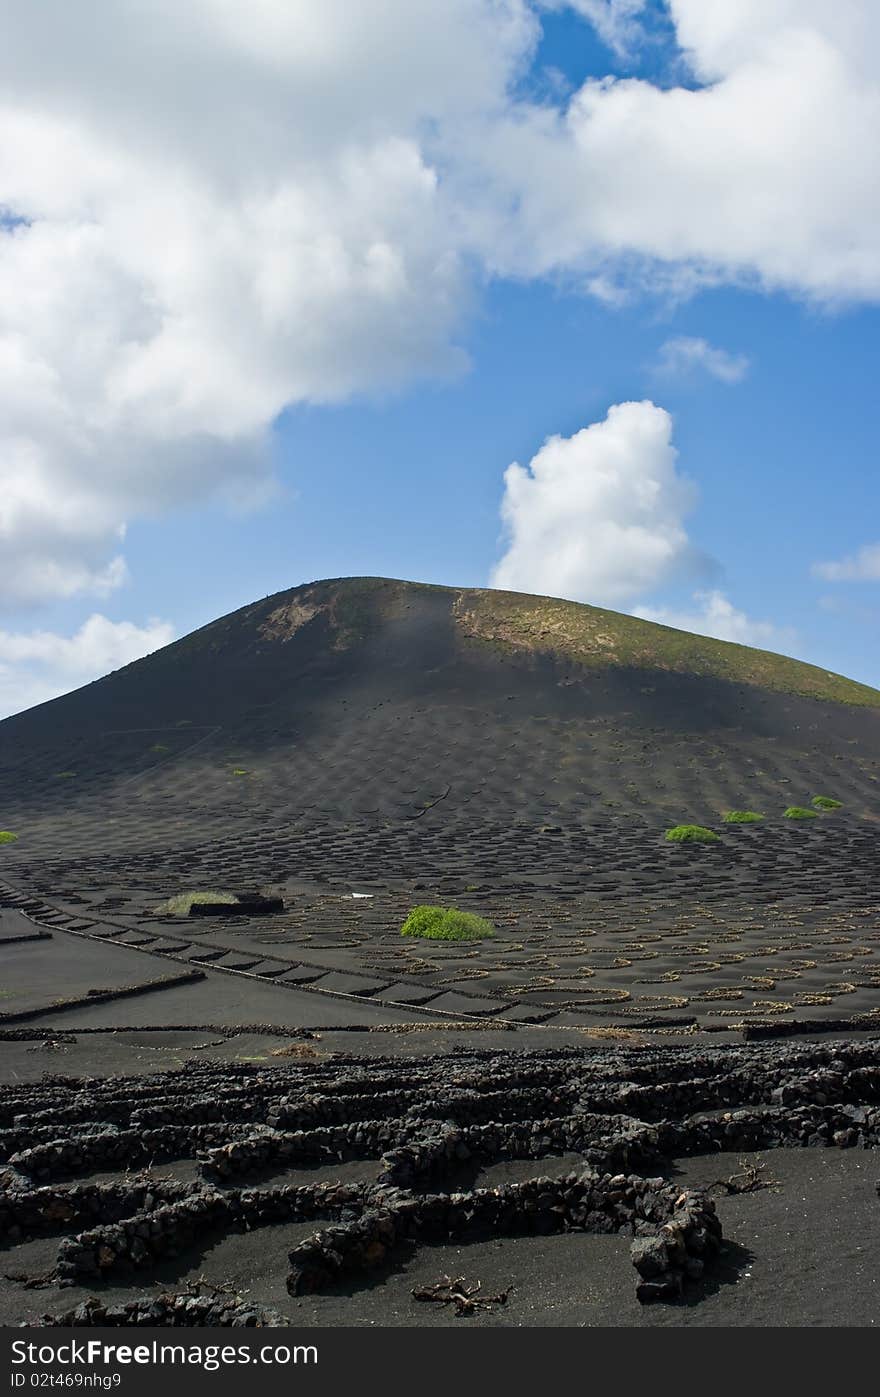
pixel 377 700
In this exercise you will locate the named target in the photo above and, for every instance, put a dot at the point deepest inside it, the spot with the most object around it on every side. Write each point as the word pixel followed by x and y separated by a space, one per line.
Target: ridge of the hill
pixel 350 611
pixel 372 699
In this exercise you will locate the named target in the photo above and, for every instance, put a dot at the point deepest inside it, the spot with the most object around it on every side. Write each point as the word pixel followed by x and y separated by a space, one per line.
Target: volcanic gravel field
pixel 301 1115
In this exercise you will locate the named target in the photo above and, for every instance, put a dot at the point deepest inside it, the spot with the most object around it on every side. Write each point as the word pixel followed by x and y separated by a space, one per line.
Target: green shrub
pixel 742 817
pixel 7 837
pixel 696 834
pixel 826 803
pixel 446 924
pixel 800 812
pixel 179 906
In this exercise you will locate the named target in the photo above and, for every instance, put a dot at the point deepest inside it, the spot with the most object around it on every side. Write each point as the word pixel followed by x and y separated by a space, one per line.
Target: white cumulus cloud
pixel 598 516
pixel 40 665
pixel 862 566
pixel 715 615
pixel 757 173
pixel 213 210
pixel 684 354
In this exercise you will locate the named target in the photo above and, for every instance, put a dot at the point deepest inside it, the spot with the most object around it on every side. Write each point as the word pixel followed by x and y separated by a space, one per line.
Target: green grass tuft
pixel 179 906
pixel 800 812
pixel 695 834
pixel 742 817
pixel 7 837
pixel 826 803
pixel 446 924
pixel 240 771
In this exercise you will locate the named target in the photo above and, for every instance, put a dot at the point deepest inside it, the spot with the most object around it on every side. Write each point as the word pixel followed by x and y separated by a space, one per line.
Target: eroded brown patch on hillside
pixel 284 622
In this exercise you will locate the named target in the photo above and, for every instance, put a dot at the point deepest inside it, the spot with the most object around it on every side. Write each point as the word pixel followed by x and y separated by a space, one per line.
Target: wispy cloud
pixel 715 615
pixel 615 21
pixel 862 566
pixel 686 354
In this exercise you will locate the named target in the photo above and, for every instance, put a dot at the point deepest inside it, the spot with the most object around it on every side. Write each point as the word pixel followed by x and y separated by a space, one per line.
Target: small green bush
pixel 742 817
pixel 446 924
pixel 179 906
pixel 7 837
pixel 826 803
pixel 696 834
pixel 800 812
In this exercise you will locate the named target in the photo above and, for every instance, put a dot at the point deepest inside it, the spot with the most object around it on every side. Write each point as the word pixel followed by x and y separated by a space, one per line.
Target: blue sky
pixel 222 386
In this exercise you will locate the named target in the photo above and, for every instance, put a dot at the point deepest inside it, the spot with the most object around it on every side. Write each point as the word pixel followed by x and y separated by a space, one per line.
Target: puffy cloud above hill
pixel 598 516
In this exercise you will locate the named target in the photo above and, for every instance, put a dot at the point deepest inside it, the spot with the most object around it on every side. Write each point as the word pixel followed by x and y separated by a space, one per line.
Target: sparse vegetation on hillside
pixel 590 636
pixel 446 924
pixel 742 817
pixel 826 803
pixel 692 834
pixel 800 812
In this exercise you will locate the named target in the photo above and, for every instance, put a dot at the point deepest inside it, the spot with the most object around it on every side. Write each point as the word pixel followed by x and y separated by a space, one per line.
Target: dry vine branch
pixel 466 1299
